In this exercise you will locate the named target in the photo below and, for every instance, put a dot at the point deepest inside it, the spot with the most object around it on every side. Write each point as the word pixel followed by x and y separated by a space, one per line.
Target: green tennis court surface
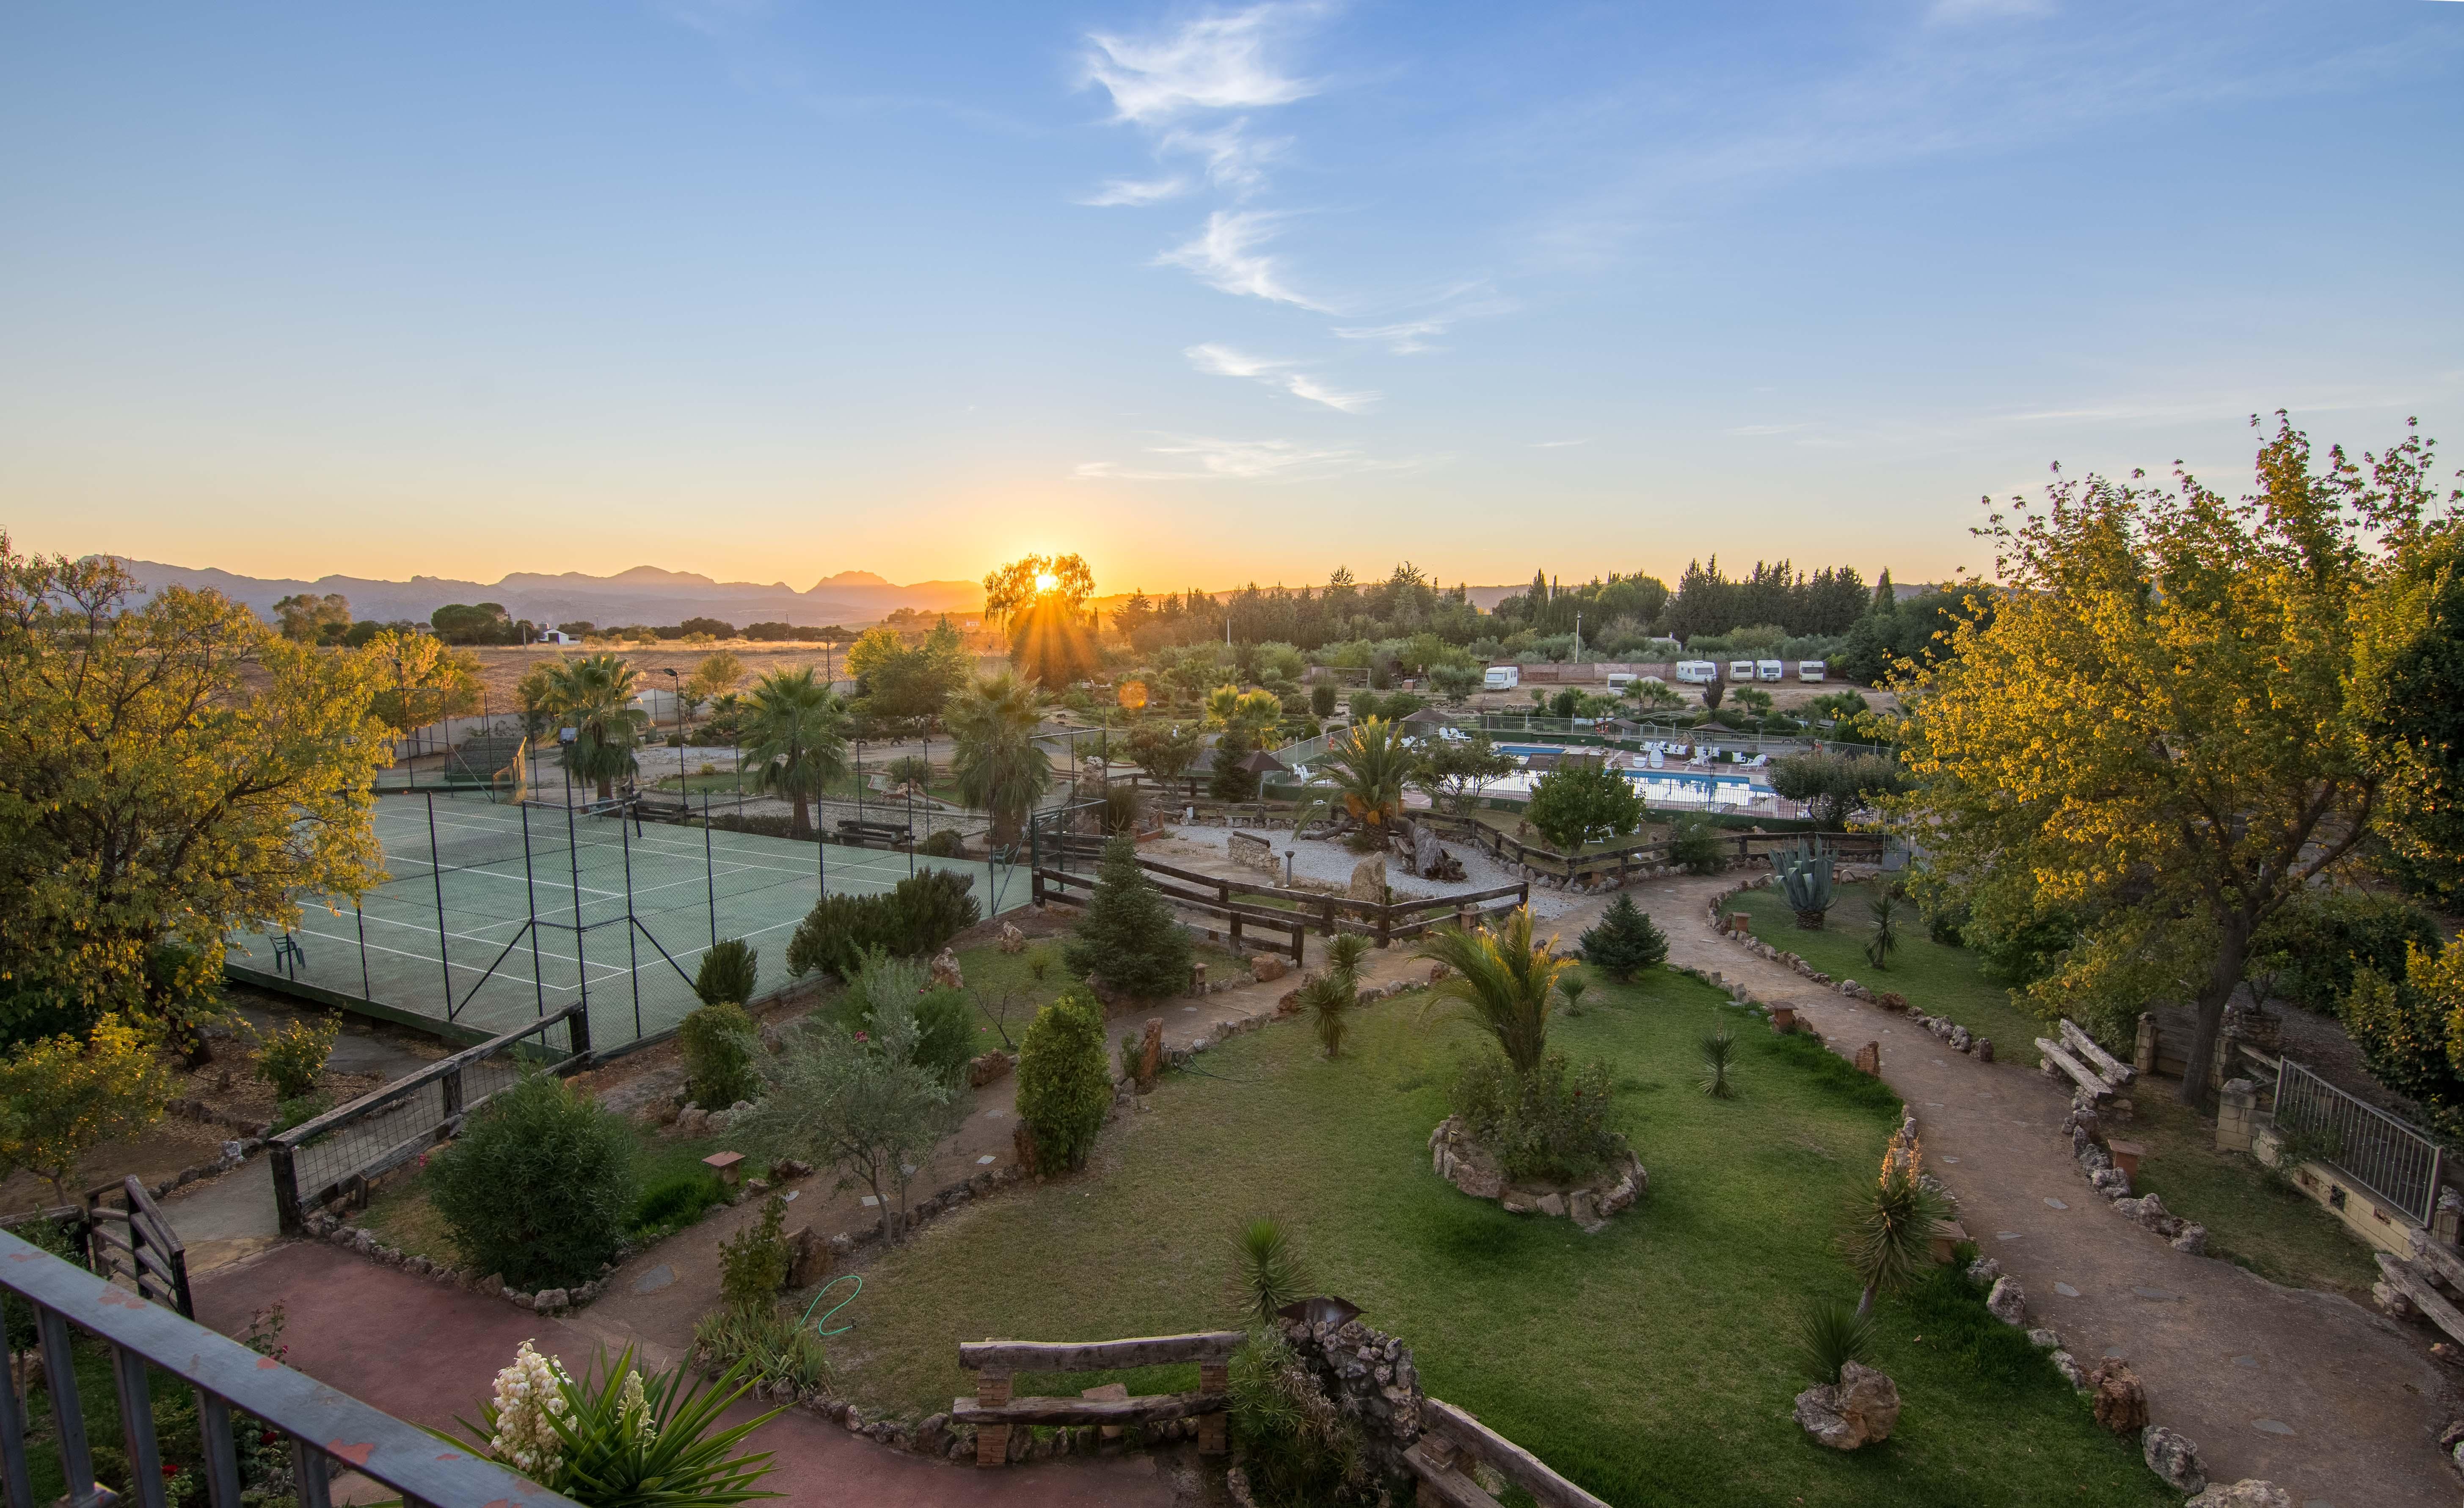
pixel 494 914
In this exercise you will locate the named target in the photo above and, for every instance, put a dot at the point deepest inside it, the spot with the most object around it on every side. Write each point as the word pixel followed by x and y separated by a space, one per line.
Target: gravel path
pixel 1330 863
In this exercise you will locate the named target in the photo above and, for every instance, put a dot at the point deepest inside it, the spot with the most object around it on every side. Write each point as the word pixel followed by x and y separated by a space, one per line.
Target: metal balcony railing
pixel 322 1425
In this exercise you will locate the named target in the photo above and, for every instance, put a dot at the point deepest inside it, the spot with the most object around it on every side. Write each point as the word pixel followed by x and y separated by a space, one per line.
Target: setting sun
pixel 1045 581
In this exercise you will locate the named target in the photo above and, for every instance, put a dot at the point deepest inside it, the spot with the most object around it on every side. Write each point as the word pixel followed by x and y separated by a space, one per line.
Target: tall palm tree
pixel 998 766
pixel 795 738
pixel 1368 766
pixel 1502 982
pixel 594 697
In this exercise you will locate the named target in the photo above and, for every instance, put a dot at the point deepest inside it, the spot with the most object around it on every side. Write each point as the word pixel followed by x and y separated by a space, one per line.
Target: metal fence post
pixel 436 873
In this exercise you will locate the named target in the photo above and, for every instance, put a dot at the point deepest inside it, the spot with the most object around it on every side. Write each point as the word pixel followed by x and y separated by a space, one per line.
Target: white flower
pixel 528 1395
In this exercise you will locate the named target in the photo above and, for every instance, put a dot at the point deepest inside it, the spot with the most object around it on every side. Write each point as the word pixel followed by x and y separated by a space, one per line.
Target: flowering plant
pixel 618 1438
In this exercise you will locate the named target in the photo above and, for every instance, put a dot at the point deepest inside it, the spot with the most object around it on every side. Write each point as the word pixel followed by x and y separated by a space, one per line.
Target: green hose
pixel 843 1278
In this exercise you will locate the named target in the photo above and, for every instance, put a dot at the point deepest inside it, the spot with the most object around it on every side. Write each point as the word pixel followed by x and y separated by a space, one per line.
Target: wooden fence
pixel 338 1154
pixel 1452 1440
pixel 993 1412
pixel 135 1242
pixel 1621 863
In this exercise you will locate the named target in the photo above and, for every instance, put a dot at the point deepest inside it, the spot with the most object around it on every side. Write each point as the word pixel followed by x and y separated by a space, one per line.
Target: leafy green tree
pixel 2321 937
pixel 1582 800
pixel 717 675
pixel 1454 771
pixel 2157 726
pixel 417 679
pixel 2412 690
pixel 1064 1082
pixel 310 619
pixel 1625 941
pixel 909 684
pixel 466 623
pixel 1454 682
pixel 794 730
pixel 998 766
pixel 1836 786
pixel 2410 1030
pixel 867 1108
pixel 61 1097
pixel 1164 749
pixel 594 697
pixel 172 771
pixel 1128 939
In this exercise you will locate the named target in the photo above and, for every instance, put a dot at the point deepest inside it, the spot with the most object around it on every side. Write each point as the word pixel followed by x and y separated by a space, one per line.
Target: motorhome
pixel 1698 673
pixel 1740 670
pixel 1502 678
pixel 1809 669
pixel 1771 670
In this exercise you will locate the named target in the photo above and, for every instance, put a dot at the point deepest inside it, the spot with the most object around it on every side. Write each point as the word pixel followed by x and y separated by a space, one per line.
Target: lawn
pixel 2251 1219
pixel 1937 979
pixel 1653 1363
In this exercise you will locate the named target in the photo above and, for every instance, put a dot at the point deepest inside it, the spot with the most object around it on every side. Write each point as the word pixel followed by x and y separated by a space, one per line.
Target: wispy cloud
pixel 1235 160
pixel 1215 63
pixel 1226 256
pixel 1988 9
pixel 1555 445
pixel 1136 191
pixel 1190 458
pixel 1222 360
pixel 1403 340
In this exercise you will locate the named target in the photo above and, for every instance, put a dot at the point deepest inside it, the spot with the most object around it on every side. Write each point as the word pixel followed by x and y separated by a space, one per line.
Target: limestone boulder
pixel 1862 1407
pixel 988 1067
pixel 945 974
pixel 1268 967
pixel 2249 1493
pixel 1983 1272
pixel 1012 940
pixel 2193 1240
pixel 1368 881
pixel 2008 1302
pixel 2174 1458
pixel 2118 1396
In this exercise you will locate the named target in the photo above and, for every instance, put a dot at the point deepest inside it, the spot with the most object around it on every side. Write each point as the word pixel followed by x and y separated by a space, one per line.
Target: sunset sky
pixel 769 289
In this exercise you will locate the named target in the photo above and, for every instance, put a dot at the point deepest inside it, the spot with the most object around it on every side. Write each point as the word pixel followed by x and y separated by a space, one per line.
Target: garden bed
pixel 1654 1362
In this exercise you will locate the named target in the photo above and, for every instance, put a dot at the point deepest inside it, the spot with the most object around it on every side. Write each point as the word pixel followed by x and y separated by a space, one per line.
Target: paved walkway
pixel 2328 1399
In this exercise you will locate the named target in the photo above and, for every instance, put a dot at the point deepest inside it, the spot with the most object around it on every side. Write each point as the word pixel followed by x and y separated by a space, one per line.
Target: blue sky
pixel 768 290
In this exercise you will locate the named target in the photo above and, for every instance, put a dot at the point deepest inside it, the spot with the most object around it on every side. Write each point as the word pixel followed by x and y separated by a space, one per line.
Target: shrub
pixel 1550 1124
pixel 675 1201
pixel 1322 699
pixel 777 1353
pixel 299 1110
pixel 909 769
pixel 752 1263
pixel 943 844
pixel 537 1184
pixel 60 1097
pixel 1695 845
pixel 923 912
pixel 929 908
pixel 2323 938
pixel 1128 937
pixel 729 971
pixel 1063 1086
pixel 945 1023
pixel 720 1047
pixel 292 1057
pixel 1124 807
pixel 1296 1446
pixel 1582 800
pixel 1625 942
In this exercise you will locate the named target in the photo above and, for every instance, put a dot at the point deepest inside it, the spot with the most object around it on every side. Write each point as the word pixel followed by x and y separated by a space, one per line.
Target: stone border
pixel 1467 1164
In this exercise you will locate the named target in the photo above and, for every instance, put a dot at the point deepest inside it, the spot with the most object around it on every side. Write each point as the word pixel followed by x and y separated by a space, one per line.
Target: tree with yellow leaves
pixel 2156 729
pixel 171 769
pixel 61 1097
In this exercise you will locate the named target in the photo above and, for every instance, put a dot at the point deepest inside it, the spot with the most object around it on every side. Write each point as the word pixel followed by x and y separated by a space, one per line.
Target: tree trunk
pixel 606 787
pixel 1809 921
pixel 2224 976
pixel 801 826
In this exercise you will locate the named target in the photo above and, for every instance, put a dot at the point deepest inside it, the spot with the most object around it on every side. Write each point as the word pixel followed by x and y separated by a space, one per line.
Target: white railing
pixel 2391 1159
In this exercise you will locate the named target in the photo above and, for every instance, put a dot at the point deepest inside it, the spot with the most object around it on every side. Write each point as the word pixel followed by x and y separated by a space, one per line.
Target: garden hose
pixel 843 1278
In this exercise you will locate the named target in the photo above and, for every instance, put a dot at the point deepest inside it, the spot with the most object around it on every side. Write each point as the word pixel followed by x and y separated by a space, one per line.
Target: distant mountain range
pixel 642 595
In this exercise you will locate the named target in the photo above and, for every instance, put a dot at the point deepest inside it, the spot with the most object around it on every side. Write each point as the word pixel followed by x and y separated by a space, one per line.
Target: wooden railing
pixel 1451 1441
pixel 994 1412
pixel 1058 885
pixel 1506 849
pixel 135 1242
pixel 342 1150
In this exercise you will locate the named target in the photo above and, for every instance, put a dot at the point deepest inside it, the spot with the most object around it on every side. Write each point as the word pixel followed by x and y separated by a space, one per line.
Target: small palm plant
pixel 1345 954
pixel 1503 982
pixel 1832 1332
pixel 1719 1054
pixel 1271 1274
pixel 1571 985
pixel 1890 1232
pixel 1886 931
pixel 1328 999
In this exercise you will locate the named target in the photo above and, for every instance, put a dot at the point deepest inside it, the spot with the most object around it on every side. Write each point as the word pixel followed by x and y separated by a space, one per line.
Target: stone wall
pixel 1370 1376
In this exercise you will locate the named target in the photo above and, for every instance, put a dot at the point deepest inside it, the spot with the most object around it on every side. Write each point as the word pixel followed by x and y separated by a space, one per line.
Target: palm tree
pixel 795 738
pixel 594 697
pixel 1368 766
pixel 1502 982
pixel 998 766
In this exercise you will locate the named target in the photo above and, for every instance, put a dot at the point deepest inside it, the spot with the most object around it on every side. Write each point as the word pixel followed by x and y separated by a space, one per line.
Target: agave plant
pixel 1719 1054
pixel 1804 871
pixel 1572 984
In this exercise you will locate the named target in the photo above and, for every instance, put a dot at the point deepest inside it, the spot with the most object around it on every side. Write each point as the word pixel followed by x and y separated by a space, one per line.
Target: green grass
pixel 1653 1363
pixel 2251 1219
pixel 1938 980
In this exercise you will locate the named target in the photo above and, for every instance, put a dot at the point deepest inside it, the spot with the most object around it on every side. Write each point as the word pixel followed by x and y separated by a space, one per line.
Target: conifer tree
pixel 1128 937
pixel 1625 942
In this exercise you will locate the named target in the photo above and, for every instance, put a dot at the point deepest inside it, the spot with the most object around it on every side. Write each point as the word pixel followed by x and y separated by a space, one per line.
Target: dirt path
pixel 2328 1399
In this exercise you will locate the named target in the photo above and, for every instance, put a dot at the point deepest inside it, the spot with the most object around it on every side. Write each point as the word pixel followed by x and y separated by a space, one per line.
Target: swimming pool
pixel 1663 787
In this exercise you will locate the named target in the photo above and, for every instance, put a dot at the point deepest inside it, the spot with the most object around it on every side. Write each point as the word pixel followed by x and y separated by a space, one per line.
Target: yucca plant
pixel 1832 1332
pixel 1328 1000
pixel 1890 1230
pixel 1346 951
pixel 1719 1054
pixel 1572 984
pixel 1886 932
pixel 1270 1273
pixel 1502 982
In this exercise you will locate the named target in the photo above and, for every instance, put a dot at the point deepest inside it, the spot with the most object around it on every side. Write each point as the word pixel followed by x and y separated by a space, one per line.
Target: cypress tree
pixel 1128 937
pixel 1625 942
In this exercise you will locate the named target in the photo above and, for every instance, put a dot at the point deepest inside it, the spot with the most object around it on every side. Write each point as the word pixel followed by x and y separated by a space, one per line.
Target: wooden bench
pixel 2111 1069
pixel 2089 1067
pixel 993 1412
pixel 1452 1442
pixel 893 834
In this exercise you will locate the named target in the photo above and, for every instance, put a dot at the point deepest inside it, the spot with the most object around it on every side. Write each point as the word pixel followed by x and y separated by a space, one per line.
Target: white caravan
pixel 1698 673
pixel 1502 678
pixel 1809 669
pixel 1771 671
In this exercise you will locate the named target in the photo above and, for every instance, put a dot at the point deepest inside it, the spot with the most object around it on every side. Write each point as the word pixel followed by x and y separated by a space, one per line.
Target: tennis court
pixel 494 914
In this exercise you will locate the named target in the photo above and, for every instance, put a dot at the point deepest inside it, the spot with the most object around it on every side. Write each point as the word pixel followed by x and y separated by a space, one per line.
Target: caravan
pixel 1741 671
pixel 1809 669
pixel 1697 672
pixel 1771 671
pixel 1502 678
